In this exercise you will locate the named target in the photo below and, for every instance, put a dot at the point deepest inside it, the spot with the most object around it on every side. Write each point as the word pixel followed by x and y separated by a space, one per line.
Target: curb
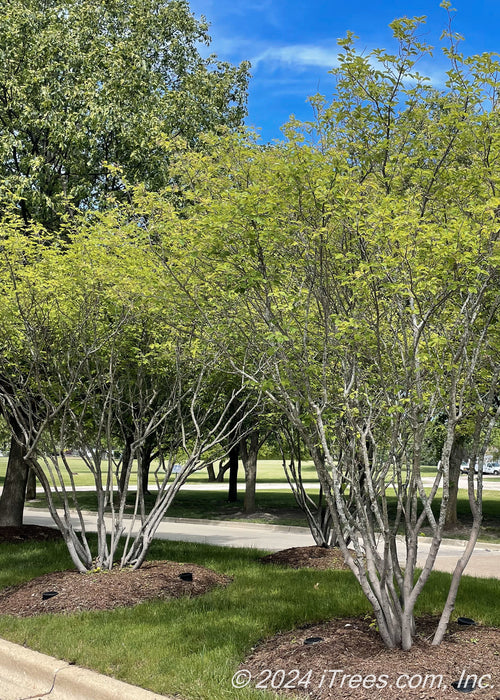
pixel 480 545
pixel 28 674
pixel 238 523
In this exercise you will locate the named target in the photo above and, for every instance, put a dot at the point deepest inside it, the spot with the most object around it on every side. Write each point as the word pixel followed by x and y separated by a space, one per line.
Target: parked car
pixel 488 468
pixel 492 468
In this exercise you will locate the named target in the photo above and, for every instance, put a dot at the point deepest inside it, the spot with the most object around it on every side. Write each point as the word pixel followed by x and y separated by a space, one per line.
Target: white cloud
pixel 298 55
pixel 310 55
pixel 232 46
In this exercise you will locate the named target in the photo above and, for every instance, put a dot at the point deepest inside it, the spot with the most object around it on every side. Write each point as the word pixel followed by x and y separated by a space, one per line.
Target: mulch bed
pixel 99 590
pixel 105 590
pixel 313 557
pixel 354 649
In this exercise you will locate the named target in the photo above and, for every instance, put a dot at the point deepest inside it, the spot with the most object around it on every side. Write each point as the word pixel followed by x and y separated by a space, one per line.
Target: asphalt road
pixel 485 560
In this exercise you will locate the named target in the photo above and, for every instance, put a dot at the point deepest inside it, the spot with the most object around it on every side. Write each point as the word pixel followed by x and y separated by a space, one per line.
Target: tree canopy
pixel 85 85
pixel 89 92
pixel 355 270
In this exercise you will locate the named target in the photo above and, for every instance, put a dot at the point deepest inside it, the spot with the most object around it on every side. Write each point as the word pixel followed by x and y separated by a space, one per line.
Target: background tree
pixel 253 439
pixel 84 85
pixel 313 506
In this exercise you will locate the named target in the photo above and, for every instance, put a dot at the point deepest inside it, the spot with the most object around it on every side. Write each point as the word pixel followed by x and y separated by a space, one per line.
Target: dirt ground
pixel 339 659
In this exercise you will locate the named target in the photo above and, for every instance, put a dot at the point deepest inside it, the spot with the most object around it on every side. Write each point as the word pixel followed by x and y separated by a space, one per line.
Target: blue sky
pixel 292 43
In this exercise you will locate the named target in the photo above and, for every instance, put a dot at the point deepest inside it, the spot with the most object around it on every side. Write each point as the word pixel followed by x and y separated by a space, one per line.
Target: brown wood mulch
pixel 349 660
pixel 313 557
pixel 106 590
pixel 346 658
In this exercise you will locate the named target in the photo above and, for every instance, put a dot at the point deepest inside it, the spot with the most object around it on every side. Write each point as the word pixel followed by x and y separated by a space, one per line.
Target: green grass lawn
pixel 269 471
pixel 274 507
pixel 193 646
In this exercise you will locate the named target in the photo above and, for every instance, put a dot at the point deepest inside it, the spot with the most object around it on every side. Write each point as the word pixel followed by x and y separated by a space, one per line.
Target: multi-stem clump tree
pixel 97 346
pixel 357 265
pixel 89 90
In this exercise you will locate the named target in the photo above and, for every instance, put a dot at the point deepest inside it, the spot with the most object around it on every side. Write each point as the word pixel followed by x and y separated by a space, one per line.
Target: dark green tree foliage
pixel 85 85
